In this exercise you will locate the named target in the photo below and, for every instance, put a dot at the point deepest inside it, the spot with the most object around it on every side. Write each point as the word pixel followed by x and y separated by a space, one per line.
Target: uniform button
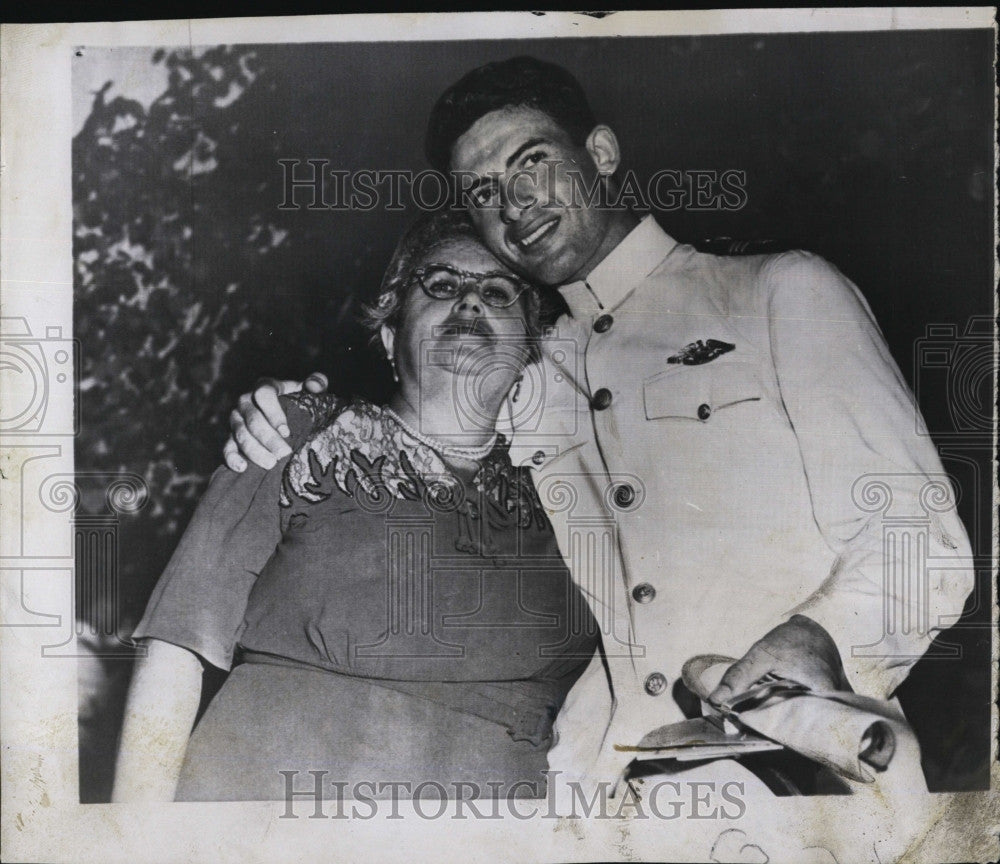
pixel 704 411
pixel 643 593
pixel 655 684
pixel 538 458
pixel 603 323
pixel 624 495
pixel 601 399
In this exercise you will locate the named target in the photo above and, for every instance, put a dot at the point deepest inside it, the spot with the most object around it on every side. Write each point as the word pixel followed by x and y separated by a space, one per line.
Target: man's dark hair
pixel 514 83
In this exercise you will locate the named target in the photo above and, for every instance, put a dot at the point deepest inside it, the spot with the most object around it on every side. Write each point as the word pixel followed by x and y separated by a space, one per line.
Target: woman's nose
pixel 469 302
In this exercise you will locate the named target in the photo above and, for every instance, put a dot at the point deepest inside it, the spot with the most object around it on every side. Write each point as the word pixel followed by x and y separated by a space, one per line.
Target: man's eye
pixel 483 196
pixel 532 159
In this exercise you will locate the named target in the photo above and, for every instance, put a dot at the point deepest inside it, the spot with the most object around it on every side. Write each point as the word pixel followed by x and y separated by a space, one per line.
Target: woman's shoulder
pixel 339 444
pixel 307 413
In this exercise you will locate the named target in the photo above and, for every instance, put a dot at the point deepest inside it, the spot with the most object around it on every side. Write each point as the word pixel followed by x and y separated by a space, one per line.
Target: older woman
pixel 391 602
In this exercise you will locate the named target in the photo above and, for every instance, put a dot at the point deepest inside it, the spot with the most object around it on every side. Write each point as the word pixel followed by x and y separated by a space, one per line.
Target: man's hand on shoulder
pixel 799 649
pixel 258 425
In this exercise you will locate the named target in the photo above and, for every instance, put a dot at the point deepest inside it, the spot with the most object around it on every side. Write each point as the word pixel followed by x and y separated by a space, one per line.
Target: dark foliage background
pixel 874 150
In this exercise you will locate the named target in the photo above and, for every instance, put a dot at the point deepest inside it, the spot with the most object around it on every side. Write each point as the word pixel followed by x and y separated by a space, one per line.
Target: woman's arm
pixel 159 713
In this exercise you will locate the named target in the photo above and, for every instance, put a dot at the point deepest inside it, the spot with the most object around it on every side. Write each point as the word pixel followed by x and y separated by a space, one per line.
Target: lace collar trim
pixel 363 449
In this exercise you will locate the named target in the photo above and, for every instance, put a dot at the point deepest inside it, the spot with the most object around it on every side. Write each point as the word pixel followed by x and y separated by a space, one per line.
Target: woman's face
pixel 463 336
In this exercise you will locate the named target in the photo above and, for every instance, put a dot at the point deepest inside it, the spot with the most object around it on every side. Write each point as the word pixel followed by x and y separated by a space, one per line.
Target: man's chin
pixel 550 275
pixel 548 270
pixel 552 269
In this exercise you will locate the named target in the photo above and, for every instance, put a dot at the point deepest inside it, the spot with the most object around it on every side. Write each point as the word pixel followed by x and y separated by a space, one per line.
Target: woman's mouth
pixel 464 327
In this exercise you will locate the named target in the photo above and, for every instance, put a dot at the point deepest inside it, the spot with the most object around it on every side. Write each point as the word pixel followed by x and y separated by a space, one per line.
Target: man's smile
pixel 526 237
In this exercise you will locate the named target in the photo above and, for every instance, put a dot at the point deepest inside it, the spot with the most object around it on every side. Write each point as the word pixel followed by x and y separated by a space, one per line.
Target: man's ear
pixel 388 340
pixel 602 145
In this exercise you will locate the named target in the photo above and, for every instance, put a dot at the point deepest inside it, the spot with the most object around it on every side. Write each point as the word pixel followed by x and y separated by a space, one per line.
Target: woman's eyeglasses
pixel 442 282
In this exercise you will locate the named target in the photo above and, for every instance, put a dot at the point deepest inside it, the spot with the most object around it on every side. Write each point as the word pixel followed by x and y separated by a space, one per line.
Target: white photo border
pixel 42 819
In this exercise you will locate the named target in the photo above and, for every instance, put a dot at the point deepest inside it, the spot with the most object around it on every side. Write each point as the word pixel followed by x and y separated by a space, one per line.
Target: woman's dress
pixel 385 622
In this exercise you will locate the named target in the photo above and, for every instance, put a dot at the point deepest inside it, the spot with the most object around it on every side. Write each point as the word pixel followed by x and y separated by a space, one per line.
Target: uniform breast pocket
pixel 699 392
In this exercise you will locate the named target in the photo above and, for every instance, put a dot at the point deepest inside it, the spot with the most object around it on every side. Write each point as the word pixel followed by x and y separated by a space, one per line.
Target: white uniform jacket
pixel 721 442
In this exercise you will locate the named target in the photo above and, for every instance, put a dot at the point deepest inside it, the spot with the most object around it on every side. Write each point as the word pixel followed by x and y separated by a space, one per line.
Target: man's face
pixel 529 197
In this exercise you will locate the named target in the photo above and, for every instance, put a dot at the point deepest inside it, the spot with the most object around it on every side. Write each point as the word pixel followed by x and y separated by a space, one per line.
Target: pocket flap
pixel 695 392
pixel 677 392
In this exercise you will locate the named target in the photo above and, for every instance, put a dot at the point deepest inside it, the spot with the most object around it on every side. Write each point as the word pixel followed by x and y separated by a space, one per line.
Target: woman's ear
pixel 388 340
pixel 602 145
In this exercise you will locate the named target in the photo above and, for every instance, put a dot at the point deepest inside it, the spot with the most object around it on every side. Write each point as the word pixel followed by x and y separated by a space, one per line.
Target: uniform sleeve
pixel 200 600
pixel 878 491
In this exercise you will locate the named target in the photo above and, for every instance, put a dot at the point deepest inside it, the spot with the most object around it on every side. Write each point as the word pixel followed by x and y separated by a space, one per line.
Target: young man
pixel 718 441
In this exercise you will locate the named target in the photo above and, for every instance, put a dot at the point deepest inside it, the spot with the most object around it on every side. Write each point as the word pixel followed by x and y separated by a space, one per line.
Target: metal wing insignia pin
pixel 702 351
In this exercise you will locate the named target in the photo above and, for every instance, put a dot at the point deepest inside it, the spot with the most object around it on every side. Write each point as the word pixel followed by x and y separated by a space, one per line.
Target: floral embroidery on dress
pixel 361 451
pixel 509 488
pixel 359 448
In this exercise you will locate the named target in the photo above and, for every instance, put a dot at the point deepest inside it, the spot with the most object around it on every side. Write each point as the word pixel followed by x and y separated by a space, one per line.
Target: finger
pixel 249 446
pixel 815 674
pixel 316 383
pixel 741 675
pixel 231 456
pixel 286 386
pixel 267 436
pixel 266 418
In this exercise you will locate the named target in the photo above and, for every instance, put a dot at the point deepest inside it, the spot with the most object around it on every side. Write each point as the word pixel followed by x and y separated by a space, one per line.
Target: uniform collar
pixel 611 281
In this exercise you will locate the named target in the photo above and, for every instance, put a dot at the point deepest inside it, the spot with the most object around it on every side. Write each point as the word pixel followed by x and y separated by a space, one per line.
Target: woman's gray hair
pixel 427 231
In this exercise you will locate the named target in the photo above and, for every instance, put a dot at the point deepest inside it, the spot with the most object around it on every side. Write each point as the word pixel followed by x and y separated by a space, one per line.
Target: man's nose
pixel 469 303
pixel 517 195
pixel 508 212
